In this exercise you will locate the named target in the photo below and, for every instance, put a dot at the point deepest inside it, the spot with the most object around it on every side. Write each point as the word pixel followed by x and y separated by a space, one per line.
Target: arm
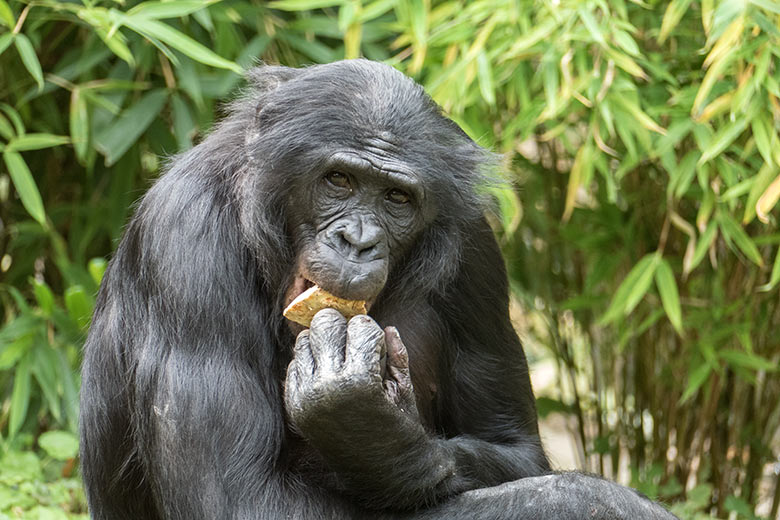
pixel 339 398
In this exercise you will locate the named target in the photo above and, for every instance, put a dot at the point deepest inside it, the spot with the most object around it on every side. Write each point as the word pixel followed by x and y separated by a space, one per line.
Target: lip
pixel 301 284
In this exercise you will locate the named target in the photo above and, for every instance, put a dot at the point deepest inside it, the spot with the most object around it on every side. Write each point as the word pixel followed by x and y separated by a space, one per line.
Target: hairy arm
pixel 349 393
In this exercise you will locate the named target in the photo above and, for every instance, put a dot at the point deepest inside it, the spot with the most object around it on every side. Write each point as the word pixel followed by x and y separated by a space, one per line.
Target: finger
pixel 292 383
pixel 397 357
pixel 303 355
pixel 328 335
pixel 365 343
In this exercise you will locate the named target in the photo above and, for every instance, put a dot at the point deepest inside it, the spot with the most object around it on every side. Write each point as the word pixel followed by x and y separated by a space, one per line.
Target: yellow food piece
pixel 303 308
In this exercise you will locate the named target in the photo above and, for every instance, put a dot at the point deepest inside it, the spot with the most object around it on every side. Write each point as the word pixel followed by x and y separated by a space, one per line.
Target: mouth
pixel 301 284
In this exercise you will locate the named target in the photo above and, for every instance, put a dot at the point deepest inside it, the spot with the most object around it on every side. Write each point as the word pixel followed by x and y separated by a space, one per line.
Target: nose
pixel 360 238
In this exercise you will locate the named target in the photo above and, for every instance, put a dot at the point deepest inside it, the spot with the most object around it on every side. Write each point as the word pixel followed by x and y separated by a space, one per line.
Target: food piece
pixel 303 308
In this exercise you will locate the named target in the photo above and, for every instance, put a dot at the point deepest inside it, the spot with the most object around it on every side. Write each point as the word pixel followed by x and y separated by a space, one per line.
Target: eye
pixel 397 196
pixel 338 179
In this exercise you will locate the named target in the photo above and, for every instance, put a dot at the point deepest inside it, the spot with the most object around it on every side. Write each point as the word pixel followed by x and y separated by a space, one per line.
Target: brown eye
pixel 397 196
pixel 338 179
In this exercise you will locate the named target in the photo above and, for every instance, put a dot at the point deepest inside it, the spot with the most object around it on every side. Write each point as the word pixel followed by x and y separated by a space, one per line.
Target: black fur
pixel 183 402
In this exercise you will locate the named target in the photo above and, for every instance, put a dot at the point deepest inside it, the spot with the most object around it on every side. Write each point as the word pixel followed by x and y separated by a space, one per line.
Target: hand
pixel 348 374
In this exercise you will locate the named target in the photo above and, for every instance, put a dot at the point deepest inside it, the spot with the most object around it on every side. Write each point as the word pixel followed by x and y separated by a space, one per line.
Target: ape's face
pixel 364 210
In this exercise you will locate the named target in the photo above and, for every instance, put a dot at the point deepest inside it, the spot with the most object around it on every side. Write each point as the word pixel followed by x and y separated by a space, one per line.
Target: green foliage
pixel 40 487
pixel 639 220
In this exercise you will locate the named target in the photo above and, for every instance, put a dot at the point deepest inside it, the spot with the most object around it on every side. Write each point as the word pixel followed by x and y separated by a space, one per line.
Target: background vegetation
pixel 640 227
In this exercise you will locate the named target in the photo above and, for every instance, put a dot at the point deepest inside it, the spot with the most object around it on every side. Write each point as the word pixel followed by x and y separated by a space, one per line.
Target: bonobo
pixel 200 401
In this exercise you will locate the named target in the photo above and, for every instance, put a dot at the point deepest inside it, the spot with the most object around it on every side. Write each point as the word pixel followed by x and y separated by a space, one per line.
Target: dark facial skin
pixel 365 211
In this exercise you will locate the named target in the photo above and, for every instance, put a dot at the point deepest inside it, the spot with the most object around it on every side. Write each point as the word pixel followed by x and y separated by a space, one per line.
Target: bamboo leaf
pixel 161 10
pixel 577 175
pixel 6 15
pixel 303 5
pixel 697 378
pixel 79 305
pixel 728 43
pixel 734 231
pixel 43 296
pixel 672 16
pixel 30 60
pixel 6 40
pixel 125 130
pixel 705 240
pixel 632 289
pixel 36 141
pixel 710 78
pixel 633 108
pixel 592 26
pixel 764 135
pixel 25 186
pixel 723 139
pixel 747 360
pixel 116 43
pixel 768 200
pixel 531 38
pixel 670 298
pixel 485 79
pixel 20 397
pixel 153 29
pixel 6 130
pixel 14 116
pixel 79 124
pixel 767 5
pixel 774 278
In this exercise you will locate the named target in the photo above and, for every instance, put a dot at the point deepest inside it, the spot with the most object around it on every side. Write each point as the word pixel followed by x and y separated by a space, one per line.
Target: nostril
pixel 366 251
pixel 344 243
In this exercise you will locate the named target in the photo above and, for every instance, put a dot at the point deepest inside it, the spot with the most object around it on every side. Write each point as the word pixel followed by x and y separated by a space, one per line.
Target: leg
pixel 563 496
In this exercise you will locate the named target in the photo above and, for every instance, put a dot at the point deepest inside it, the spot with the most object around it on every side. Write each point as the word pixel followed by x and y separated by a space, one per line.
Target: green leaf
pixel 183 123
pixel 672 16
pixel 14 116
pixel 532 37
pixel 763 134
pixel 768 5
pixel 125 130
pixel 697 378
pixel 6 130
pixel 159 10
pixel 774 278
pixel 303 5
pixel 734 231
pixel 44 296
pixel 79 305
pixel 761 181
pixel 25 186
pixel 117 44
pixel 79 124
pixel 670 298
pixel 485 79
pixel 20 397
pixel 153 29
pixel 6 40
pixel 592 26
pixel 632 289
pixel 59 445
pixel 36 141
pixel 29 58
pixel 723 139
pixel 44 370
pixel 97 268
pixel 747 360
pixel 702 246
pixel 6 15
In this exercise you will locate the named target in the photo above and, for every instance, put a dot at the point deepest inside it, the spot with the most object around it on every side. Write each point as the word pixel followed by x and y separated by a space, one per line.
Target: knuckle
pixel 327 318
